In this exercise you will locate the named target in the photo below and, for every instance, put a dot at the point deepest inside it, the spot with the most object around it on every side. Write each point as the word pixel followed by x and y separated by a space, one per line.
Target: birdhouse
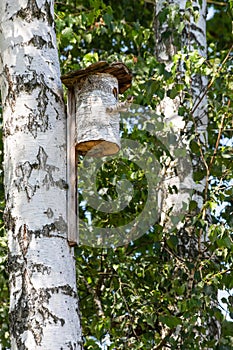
pixel 93 121
pixel 95 93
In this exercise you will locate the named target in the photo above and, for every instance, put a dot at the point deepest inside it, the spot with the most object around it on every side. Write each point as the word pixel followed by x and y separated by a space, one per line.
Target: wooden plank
pixel 72 198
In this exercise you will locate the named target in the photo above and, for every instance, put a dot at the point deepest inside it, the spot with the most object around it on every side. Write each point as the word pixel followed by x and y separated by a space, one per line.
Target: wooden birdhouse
pixel 94 93
pixel 93 122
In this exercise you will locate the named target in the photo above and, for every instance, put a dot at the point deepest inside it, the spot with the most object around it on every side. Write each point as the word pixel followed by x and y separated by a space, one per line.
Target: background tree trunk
pixel 43 297
pixel 183 33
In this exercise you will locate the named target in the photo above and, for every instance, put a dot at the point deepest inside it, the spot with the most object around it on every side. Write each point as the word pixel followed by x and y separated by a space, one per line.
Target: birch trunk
pixel 43 296
pixel 192 37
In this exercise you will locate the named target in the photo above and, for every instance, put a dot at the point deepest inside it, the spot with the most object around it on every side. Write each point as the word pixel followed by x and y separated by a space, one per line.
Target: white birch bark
pixel 192 37
pixel 43 296
pixel 97 130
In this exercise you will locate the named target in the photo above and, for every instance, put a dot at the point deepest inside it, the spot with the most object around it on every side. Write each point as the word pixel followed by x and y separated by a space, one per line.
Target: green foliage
pixel 219 28
pixel 88 27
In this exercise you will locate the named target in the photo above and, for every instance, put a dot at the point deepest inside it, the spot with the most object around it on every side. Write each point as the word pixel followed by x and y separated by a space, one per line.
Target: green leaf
pixel 172 93
pixel 170 321
pixel 108 19
pixel 172 242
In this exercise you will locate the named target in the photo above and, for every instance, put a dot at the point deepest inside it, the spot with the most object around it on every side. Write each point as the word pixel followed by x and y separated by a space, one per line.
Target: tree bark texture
pixel 97 130
pixel 43 296
pixel 192 37
pixel 167 44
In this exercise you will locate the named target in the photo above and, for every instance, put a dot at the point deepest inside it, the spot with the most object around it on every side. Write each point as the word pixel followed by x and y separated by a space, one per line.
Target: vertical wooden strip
pixel 72 205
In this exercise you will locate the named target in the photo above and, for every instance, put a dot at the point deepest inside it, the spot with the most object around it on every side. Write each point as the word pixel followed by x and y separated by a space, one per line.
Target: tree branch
pixel 216 3
pixel 96 300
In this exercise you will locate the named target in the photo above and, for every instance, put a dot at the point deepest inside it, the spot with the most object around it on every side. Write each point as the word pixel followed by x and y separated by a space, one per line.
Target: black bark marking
pixel 49 213
pixel 9 220
pixel 114 91
pixel 25 170
pixel 42 159
pixel 32 304
pixel 49 169
pixel 41 268
pixel 192 37
pixel 60 225
pixel 24 239
pixel 25 84
pixel 31 307
pixel 73 346
pixel 61 184
pixel 49 14
pixel 23 173
pixel 11 94
pixel 38 42
pixel 36 123
pixel 38 119
pixel 57 113
pixel 32 11
pixel 57 228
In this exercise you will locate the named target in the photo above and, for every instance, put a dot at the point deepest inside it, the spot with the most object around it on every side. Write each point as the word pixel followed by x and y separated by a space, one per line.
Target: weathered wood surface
pixel 72 196
pixel 117 69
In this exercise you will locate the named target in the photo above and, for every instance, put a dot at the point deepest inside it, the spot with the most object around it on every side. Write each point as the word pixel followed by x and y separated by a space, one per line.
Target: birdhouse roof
pixel 117 69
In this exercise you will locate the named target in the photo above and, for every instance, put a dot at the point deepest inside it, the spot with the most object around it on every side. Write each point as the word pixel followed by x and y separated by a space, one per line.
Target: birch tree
pixel 43 297
pixel 180 34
